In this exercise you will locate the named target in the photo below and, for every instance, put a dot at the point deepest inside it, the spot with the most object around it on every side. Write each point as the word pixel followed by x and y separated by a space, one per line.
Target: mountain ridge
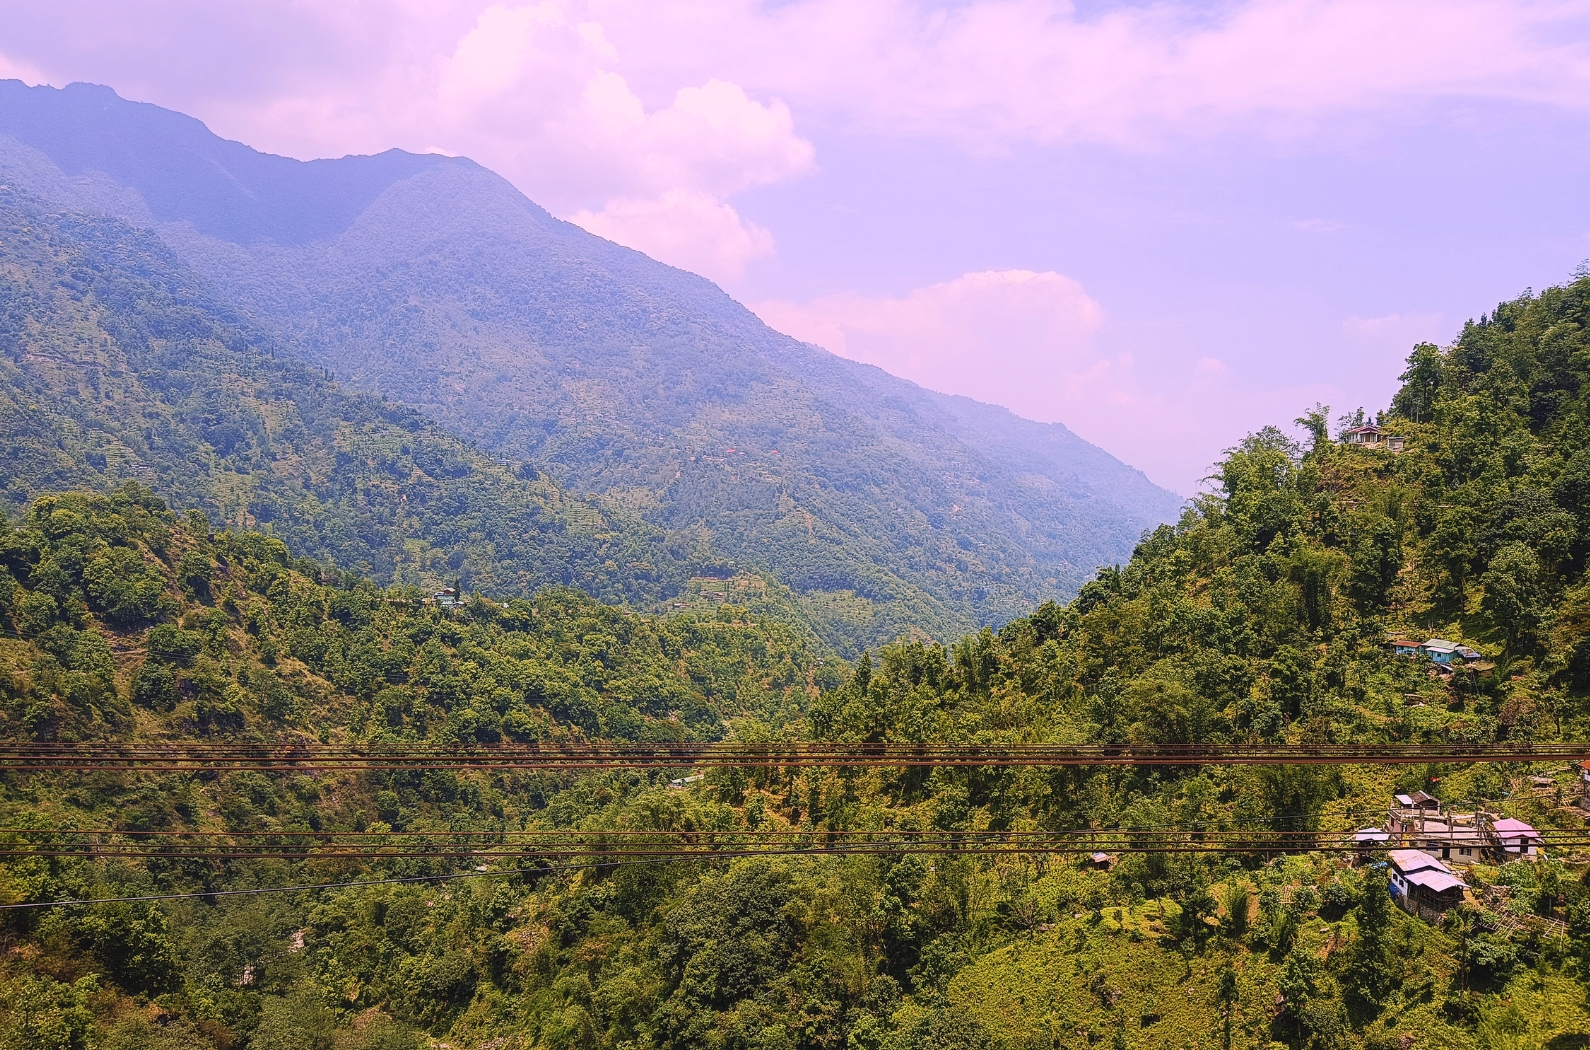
pixel 453 293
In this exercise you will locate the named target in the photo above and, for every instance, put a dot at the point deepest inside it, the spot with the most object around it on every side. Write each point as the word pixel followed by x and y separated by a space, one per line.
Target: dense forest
pixel 1263 615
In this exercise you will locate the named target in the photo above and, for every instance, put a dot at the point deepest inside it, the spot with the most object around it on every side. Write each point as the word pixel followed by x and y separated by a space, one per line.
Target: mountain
pixel 118 365
pixel 435 283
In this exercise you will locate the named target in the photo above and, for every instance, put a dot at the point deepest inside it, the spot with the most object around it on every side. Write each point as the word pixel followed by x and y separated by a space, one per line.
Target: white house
pixel 1422 885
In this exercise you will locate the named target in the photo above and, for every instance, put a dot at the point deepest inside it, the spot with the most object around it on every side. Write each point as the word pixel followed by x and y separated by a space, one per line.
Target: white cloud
pixel 1010 337
pixel 623 107
pixel 693 231
pixel 1393 332
pixel 998 71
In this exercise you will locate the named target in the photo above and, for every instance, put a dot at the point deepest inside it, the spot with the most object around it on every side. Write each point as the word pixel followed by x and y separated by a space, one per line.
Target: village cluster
pixel 1444 656
pixel 1428 848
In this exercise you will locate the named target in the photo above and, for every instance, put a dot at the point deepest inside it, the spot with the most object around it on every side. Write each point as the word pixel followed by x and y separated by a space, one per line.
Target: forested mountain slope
pixel 434 282
pixel 1261 616
pixel 117 364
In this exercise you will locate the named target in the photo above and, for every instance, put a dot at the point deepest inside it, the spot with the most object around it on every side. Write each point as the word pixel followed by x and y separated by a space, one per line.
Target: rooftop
pixel 1435 881
pixel 1509 828
pixel 1408 861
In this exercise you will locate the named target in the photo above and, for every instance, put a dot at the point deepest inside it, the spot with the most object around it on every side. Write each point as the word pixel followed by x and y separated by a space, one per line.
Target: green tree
pixel 1368 976
pixel 1317 422
pixel 44 1014
pixel 1226 992
pixel 1237 901
pixel 1512 593
pixel 1421 384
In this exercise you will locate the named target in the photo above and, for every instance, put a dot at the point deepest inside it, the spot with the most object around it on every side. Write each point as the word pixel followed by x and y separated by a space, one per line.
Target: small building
pixel 1422 885
pixel 1367 840
pixel 1371 436
pixel 1458 840
pixel 1514 840
pixel 681 783
pixel 1403 646
pixel 1441 651
pixel 1583 769
pixel 1419 800
pixel 1364 434
pixel 1101 861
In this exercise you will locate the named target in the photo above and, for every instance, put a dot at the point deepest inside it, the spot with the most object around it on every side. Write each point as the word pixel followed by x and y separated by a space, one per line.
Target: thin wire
pixel 722 855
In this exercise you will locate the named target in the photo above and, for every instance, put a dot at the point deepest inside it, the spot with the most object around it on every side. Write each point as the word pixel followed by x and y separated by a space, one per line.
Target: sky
pixel 1164 225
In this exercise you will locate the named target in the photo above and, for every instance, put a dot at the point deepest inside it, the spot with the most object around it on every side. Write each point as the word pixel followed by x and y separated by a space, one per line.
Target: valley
pixel 379 600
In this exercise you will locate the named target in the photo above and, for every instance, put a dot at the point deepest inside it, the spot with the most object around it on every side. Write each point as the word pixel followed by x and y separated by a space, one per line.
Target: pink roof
pixel 1435 881
pixel 1508 828
pixel 1409 860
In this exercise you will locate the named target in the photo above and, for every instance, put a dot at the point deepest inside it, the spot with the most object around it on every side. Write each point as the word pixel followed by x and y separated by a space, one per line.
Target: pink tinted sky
pixel 1161 224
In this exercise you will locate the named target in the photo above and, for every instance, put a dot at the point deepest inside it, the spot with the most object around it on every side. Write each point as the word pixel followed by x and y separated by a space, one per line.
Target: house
pixel 1364 434
pixel 1583 769
pixel 1514 840
pixel 683 782
pixel 1418 821
pixel 1371 436
pixel 1367 841
pixel 1101 861
pixel 1460 840
pixel 1422 885
pixel 1441 651
pixel 1469 655
pixel 1403 646
pixel 1419 800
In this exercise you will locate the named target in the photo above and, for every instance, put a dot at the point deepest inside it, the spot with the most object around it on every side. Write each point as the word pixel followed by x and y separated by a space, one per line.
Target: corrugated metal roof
pixel 1411 860
pixel 1508 828
pixel 1435 881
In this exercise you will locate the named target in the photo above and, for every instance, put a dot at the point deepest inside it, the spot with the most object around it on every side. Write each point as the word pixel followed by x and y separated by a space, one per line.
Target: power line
pixel 149 757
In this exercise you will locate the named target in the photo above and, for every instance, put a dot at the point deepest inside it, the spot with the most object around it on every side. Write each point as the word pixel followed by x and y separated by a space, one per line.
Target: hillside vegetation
pixel 431 281
pixel 1261 615
pixel 117 365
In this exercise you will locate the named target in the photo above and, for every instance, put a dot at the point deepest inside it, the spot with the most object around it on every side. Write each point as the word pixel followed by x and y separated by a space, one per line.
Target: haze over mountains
pixel 433 282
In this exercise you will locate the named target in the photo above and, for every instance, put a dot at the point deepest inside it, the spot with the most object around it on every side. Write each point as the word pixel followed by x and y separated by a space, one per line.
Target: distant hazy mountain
pixel 117 366
pixel 434 282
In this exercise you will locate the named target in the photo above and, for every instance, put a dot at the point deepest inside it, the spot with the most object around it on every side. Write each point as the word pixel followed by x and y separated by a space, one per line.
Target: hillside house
pixel 1422 885
pixel 1364 434
pixel 1367 840
pixel 1514 840
pixel 1583 769
pixel 1419 800
pixel 1448 655
pixel 1371 436
pixel 1458 840
pixel 1418 822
